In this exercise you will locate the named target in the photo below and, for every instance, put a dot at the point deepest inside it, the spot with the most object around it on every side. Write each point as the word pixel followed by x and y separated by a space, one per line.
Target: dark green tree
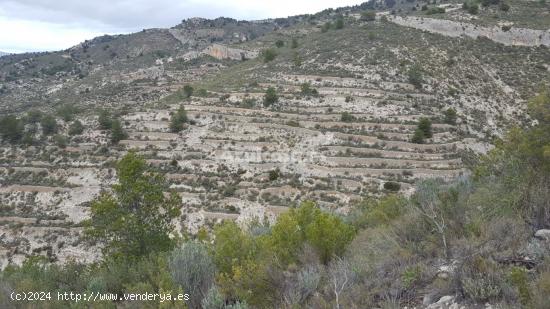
pixel 188 91
pixel 425 124
pixel 347 117
pixel 105 120
pixel 268 55
pixel 49 125
pixel 11 129
pixel 415 76
pixel 450 116
pixel 178 119
pixel 294 43
pixel 270 97
pixel 368 15
pixel 136 219
pixel 280 43
pixel 117 132
pixel 418 136
pixel 339 24
pixel 76 128
pixel 60 140
pixel 67 112
pixel 34 116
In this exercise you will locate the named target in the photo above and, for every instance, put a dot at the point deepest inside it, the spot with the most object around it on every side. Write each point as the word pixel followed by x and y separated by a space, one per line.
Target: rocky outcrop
pixel 513 37
pixel 219 51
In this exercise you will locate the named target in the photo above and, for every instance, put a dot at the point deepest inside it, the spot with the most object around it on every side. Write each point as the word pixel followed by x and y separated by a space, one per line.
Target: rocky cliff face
pixel 223 52
pixel 510 37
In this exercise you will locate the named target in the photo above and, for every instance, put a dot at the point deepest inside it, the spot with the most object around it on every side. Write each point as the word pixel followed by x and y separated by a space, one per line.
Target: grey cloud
pixel 122 15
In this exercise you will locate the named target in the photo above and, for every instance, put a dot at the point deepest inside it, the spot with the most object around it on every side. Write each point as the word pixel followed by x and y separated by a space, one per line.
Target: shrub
pixel 76 128
pixel 270 97
pixel 104 120
pixel 192 268
pixel 11 129
pixel 418 136
pixel 425 124
pixel 34 116
pixel 274 174
pixel 326 27
pixel 279 43
pixel 490 2
pixel 518 277
pixel 415 76
pixel 505 7
pixel 339 24
pixel 435 10
pixel 60 141
pixel 117 132
pixel 392 186
pixel 67 112
pixel 268 55
pixel 307 90
pixel 450 116
pixel 347 117
pixel 178 119
pixel 471 6
pixel 213 300
pixel 188 91
pixel 294 43
pixel 49 125
pixel 368 15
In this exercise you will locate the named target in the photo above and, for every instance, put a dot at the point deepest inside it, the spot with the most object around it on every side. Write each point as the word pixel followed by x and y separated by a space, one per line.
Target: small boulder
pixel 543 234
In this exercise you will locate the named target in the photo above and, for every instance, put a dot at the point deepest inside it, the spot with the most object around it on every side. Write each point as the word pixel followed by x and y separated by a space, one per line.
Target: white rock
pixel 543 234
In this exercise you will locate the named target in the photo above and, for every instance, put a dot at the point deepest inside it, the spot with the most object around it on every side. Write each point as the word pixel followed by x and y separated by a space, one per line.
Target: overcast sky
pixel 45 25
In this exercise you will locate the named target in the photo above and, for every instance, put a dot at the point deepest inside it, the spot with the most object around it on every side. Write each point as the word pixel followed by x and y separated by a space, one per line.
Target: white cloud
pixel 33 25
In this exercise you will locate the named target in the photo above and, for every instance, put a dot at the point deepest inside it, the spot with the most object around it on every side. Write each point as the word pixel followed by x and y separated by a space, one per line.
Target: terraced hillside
pixel 348 104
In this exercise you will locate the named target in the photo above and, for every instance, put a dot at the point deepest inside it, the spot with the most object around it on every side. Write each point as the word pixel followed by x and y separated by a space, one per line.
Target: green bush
pixel 368 15
pixel 49 125
pixel 418 136
pixel 34 116
pixel 192 268
pixel 279 43
pixel 270 97
pixel 435 10
pixel 471 6
pixel 392 186
pixel 76 128
pixel 425 124
pixel 105 120
pixel 415 76
pixel 307 90
pixel 268 55
pixel 60 141
pixel 450 116
pixel 347 117
pixel 339 23
pixel 178 119
pixel 117 132
pixel 67 112
pixel 188 91
pixel 11 129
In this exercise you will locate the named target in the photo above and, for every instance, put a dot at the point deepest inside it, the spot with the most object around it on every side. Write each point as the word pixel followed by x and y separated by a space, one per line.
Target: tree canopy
pixel 136 218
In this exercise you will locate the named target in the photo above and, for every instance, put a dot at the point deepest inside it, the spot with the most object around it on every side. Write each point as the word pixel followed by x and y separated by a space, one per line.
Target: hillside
pixel 248 119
